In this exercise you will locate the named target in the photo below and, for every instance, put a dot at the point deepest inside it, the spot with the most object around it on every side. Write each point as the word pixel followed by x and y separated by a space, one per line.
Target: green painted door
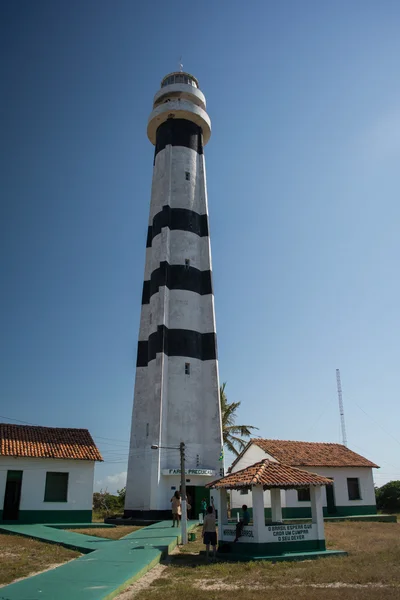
pixel 12 496
pixel 330 500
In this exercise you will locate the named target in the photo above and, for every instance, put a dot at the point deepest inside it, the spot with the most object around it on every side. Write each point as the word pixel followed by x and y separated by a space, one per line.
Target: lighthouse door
pixel 196 494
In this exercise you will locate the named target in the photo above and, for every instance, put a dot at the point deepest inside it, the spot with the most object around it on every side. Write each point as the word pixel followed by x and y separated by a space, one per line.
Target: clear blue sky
pixel 303 186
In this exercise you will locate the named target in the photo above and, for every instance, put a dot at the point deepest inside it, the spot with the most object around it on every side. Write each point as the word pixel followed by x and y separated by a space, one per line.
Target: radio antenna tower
pixel 339 391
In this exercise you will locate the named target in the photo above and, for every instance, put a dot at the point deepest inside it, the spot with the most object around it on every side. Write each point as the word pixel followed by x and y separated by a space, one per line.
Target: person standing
pixel 176 506
pixel 210 530
pixel 245 520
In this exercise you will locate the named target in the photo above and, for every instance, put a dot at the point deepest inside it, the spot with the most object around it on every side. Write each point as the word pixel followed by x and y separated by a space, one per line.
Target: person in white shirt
pixel 210 530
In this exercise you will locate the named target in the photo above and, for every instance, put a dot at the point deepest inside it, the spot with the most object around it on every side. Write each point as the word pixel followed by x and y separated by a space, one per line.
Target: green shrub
pixel 106 505
pixel 388 496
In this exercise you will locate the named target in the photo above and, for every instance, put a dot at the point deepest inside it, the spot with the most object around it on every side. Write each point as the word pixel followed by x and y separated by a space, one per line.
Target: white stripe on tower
pixel 176 394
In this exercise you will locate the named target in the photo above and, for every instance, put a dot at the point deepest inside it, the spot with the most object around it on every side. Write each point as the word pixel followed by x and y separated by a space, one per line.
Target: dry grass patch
pixel 371 571
pixel 112 533
pixel 306 593
pixel 21 556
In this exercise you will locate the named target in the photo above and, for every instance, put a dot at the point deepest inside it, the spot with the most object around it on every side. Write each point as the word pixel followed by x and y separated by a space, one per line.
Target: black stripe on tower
pixel 179 132
pixel 177 277
pixel 177 342
pixel 180 219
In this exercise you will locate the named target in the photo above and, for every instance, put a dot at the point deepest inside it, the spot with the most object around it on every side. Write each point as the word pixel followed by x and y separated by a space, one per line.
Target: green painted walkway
pixel 100 575
pixel 69 539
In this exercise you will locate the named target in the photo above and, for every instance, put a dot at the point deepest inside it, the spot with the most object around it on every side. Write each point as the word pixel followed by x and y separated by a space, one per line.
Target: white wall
pixel 364 474
pixel 80 482
pixel 168 481
pixel 340 475
pixel 252 455
pixel 238 499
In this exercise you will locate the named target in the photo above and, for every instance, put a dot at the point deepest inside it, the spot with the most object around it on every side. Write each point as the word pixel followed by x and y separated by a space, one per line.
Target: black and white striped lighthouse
pixel 176 395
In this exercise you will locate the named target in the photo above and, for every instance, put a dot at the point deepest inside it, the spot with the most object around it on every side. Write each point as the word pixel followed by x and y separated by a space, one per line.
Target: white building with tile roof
pixel 46 474
pixel 351 494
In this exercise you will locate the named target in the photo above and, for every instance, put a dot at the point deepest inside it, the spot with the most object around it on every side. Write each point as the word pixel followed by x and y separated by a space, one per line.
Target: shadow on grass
pixel 186 560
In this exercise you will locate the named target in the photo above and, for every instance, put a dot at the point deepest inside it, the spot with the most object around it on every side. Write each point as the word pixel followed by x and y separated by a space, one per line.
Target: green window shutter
pixel 303 495
pixel 56 489
pixel 353 488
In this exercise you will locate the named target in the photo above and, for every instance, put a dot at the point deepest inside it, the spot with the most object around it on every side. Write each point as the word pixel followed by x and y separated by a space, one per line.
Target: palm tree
pixel 230 431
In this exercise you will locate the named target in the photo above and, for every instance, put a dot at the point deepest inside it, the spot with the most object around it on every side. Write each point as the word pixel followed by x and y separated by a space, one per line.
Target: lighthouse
pixel 176 397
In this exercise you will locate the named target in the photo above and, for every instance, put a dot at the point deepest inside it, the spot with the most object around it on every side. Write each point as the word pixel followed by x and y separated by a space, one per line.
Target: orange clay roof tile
pixel 47 442
pixel 270 475
pixel 308 454
pixel 312 454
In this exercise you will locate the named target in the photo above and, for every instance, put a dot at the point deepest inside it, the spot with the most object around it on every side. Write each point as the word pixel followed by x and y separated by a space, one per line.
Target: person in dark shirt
pixel 245 520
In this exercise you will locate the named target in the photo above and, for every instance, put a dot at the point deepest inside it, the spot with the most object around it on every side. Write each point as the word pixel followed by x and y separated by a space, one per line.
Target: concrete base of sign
pixel 237 556
pixel 272 548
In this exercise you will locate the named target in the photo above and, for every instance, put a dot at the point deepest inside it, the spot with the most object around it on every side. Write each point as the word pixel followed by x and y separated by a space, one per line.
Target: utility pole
pixel 183 495
pixel 181 449
pixel 341 409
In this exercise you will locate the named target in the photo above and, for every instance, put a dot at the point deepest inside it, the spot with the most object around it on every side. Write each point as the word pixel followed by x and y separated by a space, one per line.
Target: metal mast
pixel 339 391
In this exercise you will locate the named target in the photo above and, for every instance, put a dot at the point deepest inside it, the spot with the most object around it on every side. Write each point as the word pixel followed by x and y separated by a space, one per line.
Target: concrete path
pixel 108 568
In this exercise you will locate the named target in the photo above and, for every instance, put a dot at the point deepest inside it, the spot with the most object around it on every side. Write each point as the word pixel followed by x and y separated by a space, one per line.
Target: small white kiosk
pixel 274 539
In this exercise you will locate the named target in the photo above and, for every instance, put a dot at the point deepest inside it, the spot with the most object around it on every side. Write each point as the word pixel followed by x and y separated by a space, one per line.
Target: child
pixel 210 530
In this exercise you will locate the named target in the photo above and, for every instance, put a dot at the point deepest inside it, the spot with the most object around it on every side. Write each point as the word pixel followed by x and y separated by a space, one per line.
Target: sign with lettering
pixel 203 472
pixel 246 533
pixel 228 533
pixel 271 533
pixel 290 533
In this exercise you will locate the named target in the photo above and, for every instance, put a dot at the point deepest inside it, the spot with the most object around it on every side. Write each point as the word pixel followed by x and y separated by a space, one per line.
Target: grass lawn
pixel 370 572
pixel 113 533
pixel 21 556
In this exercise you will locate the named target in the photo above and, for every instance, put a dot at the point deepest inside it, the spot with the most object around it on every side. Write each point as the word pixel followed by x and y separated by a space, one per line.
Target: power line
pixel 376 423
pixel 317 420
pixel 367 452
pixel 99 437
pixel 18 421
pixel 37 425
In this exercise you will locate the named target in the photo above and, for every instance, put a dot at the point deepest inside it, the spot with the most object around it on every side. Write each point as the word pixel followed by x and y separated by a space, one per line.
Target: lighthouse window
pixel 178 78
pixel 187 175
pixel 187 368
pixel 147 430
pixel 187 262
